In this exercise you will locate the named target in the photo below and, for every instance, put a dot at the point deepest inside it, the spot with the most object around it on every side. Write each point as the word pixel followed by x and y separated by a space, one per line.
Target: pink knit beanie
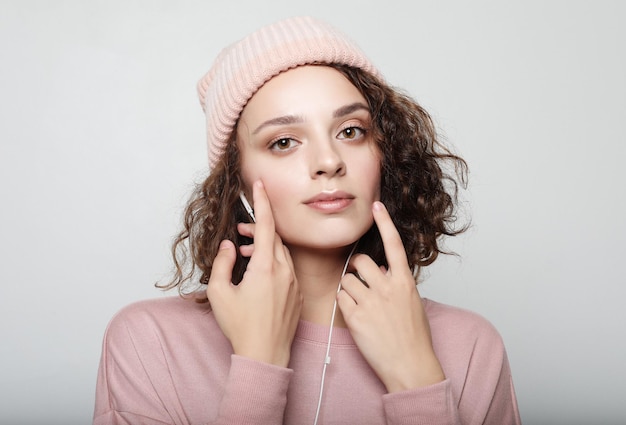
pixel 243 67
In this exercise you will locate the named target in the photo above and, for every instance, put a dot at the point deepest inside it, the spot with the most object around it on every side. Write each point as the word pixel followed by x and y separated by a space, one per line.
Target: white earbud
pixel 246 205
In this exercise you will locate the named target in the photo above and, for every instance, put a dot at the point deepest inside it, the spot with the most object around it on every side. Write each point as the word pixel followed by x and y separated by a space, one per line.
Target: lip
pixel 330 202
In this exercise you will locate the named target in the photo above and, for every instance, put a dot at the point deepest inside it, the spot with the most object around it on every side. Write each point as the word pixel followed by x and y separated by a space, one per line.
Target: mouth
pixel 330 202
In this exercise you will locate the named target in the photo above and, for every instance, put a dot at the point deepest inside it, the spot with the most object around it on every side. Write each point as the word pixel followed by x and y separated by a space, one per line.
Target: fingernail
pixel 378 206
pixel 224 244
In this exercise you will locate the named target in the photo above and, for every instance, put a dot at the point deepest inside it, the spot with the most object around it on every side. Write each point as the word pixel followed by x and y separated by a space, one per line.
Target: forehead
pixel 303 90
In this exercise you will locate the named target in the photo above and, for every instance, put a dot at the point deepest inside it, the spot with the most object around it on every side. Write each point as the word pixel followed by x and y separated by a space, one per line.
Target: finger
pixel 246 250
pixel 365 267
pixel 345 303
pixel 354 287
pixel 264 231
pixel 394 249
pixel 246 229
pixel 289 260
pixel 222 269
pixel 279 249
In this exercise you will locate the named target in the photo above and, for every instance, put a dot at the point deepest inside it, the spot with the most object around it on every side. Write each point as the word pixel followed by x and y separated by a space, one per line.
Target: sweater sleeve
pixel 255 393
pixel 432 405
pixel 478 389
pixel 487 396
pixel 137 381
pixel 493 404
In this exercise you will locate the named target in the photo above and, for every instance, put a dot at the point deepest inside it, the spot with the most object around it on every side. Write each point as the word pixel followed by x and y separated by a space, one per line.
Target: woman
pixel 313 315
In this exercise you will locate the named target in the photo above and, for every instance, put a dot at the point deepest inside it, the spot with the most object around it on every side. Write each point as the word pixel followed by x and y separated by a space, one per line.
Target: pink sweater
pixel 166 361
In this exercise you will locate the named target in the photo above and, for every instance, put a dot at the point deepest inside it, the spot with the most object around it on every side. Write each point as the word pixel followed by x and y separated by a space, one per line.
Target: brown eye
pixel 351 133
pixel 283 144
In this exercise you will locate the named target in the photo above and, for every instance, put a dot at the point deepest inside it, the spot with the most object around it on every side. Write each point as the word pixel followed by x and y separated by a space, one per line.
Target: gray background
pixel 103 137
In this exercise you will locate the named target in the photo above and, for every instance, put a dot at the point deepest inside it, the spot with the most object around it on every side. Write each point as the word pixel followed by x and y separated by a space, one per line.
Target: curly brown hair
pixel 416 187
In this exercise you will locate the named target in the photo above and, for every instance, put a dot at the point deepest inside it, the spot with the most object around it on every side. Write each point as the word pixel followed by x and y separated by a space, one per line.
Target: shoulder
pixel 474 360
pixel 468 346
pixel 151 350
pixel 166 308
pixel 152 318
pixel 450 324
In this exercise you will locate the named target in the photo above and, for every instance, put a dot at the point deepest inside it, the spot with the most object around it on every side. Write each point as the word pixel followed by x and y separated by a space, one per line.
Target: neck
pixel 319 273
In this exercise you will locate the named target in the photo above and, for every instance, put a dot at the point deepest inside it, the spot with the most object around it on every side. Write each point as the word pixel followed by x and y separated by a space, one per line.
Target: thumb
pixel 222 270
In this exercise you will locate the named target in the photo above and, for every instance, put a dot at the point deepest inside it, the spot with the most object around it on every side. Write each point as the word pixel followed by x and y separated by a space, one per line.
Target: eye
pixel 283 144
pixel 351 133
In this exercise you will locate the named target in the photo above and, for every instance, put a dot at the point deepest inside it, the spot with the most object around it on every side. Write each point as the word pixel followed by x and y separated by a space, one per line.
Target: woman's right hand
pixel 260 315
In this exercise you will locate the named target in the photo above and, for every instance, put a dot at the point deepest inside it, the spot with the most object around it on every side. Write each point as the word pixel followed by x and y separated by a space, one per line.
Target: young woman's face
pixel 307 135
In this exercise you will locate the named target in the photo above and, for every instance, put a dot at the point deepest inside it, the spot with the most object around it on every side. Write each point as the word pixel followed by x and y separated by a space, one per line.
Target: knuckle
pixel 285 275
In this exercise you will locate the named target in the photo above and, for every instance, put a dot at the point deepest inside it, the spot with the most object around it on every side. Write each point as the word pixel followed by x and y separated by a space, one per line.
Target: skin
pixel 306 133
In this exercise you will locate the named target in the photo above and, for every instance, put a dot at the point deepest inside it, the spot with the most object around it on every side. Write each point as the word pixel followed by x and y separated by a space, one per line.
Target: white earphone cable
pixel 330 336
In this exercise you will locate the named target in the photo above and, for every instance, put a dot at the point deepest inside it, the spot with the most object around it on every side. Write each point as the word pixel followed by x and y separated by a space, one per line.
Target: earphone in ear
pixel 246 205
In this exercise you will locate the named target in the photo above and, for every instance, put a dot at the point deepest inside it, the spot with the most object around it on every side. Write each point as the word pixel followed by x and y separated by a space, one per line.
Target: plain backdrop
pixel 102 140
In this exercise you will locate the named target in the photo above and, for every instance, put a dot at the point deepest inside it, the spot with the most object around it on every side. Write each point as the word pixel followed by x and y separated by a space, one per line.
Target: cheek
pixel 281 199
pixel 278 188
pixel 369 167
pixel 374 176
pixel 248 176
pixel 251 174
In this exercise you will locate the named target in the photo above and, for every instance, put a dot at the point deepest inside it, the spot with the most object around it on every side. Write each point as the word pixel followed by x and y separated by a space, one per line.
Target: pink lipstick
pixel 330 202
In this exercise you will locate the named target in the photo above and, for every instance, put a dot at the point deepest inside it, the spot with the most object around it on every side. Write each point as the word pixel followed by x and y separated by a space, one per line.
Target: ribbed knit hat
pixel 243 67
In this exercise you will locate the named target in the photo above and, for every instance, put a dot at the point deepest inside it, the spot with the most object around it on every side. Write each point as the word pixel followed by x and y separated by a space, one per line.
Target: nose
pixel 326 160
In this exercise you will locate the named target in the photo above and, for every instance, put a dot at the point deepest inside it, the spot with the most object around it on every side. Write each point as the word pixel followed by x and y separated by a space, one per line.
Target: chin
pixel 327 240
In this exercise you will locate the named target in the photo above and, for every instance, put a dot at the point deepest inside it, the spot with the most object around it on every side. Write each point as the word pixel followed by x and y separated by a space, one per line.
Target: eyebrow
pixel 296 119
pixel 348 109
pixel 284 120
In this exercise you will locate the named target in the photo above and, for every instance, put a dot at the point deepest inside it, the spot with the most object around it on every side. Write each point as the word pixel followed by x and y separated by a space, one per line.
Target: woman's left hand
pixel 386 318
